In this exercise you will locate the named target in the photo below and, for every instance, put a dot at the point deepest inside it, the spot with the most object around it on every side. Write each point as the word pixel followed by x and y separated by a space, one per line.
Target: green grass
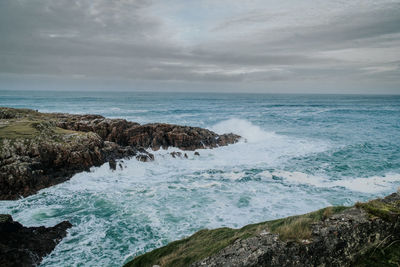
pixel 15 129
pixel 378 257
pixel 378 208
pixel 18 129
pixel 205 243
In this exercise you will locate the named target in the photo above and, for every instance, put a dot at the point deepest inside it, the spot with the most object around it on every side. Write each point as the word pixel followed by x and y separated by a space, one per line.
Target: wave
pixel 252 133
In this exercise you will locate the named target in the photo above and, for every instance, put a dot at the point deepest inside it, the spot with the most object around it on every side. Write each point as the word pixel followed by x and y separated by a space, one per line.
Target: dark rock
pixel 158 135
pixel 113 130
pixel 155 135
pixel 28 165
pixel 196 153
pixel 176 154
pixel 113 164
pixel 26 246
pixel 145 157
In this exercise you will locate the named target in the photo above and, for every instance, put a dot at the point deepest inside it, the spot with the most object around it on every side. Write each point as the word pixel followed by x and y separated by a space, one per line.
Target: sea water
pixel 298 153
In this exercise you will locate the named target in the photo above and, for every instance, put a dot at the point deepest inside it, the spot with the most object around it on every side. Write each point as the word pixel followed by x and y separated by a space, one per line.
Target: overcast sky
pixel 330 46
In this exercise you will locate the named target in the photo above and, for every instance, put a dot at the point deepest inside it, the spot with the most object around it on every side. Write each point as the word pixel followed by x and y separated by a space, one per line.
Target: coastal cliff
pixel 367 234
pixel 38 150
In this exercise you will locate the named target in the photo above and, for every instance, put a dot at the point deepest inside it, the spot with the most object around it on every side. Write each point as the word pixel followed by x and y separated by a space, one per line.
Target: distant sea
pixel 299 153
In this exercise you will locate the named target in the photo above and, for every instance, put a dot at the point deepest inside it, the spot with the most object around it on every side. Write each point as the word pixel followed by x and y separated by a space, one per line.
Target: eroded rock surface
pixel 30 164
pixel 26 246
pixel 155 135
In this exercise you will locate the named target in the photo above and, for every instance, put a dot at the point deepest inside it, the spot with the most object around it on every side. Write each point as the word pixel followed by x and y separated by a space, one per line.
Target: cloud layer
pixel 256 45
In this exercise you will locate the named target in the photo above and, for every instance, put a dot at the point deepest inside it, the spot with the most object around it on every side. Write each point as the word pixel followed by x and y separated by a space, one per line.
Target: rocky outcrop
pixel 38 150
pixel 26 246
pixel 329 237
pixel 28 165
pixel 154 136
pixel 160 135
pixel 112 130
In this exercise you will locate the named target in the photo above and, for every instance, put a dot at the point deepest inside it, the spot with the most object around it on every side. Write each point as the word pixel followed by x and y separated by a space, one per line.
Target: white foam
pixel 374 184
pixel 234 176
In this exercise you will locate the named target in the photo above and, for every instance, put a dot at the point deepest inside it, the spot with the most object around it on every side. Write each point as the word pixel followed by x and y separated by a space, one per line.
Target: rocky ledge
pixel 367 234
pixel 26 246
pixel 38 150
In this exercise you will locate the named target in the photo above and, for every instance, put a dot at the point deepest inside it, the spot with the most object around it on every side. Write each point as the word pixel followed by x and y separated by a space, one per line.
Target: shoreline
pixel 38 150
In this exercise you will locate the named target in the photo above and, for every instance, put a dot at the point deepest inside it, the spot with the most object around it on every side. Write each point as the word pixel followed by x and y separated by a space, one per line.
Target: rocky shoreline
pixel 38 150
pixel 367 234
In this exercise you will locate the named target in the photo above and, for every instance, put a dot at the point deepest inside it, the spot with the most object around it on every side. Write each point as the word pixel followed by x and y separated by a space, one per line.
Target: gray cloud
pixel 128 40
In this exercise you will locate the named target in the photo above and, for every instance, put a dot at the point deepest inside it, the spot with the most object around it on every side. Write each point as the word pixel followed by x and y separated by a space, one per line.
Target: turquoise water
pixel 300 153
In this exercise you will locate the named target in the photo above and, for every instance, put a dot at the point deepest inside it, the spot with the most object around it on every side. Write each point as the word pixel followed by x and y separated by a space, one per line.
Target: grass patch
pixel 378 208
pixel 30 129
pixel 18 129
pixel 205 243
pixel 377 257
pixel 59 130
pixel 297 228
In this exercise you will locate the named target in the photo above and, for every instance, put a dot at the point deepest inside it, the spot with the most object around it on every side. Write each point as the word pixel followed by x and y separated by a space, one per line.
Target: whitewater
pixel 298 153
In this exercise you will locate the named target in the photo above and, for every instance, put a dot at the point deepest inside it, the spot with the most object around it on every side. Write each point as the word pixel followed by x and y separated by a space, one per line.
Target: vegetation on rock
pixel 367 234
pixel 208 242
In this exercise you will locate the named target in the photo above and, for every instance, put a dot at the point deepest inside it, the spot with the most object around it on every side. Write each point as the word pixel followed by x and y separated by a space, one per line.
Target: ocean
pixel 299 153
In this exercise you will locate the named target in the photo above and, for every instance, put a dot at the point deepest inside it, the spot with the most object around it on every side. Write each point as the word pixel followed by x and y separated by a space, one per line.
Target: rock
pixel 159 135
pixel 113 130
pixel 145 157
pixel 196 153
pixel 176 154
pixel 26 246
pixel 113 164
pixel 28 165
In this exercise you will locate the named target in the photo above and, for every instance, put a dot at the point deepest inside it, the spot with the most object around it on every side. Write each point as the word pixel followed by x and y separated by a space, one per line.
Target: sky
pixel 265 46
